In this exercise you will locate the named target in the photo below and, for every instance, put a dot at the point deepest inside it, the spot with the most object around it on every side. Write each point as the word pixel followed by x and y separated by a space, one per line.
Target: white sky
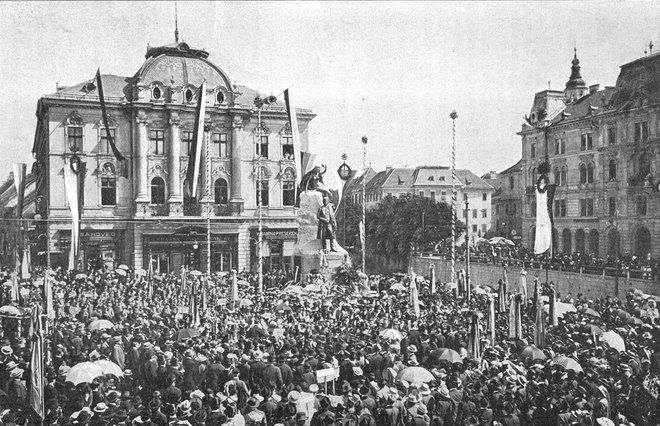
pixel 392 71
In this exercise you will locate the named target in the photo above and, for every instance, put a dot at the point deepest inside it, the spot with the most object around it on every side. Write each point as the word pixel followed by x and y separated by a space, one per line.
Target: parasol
pixel 101 324
pixel 391 334
pixel 124 267
pixel 501 241
pixel 80 276
pixel 614 340
pixel 140 272
pixel 533 353
pixel 109 367
pixel 283 307
pixel 398 287
pixel 452 356
pixel 294 289
pixel 593 329
pixel 120 272
pixel 417 375
pixel 85 372
pixel 592 312
pixel 567 363
pixel 245 303
pixel 195 273
pixel 243 283
pixel 186 333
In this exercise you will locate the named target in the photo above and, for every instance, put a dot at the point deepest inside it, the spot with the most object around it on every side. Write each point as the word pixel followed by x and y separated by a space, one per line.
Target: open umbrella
pixel 294 289
pixel 243 283
pixel 121 272
pixel 635 321
pixel 109 367
pixel 593 329
pixel 245 303
pixel 186 333
pixel 256 331
pixel 567 363
pixel 501 241
pixel 533 353
pixel 398 287
pixel 452 356
pixel 417 375
pixel 195 273
pixel 592 312
pixel 613 340
pixel 283 307
pixel 140 272
pixel 391 334
pixel 561 308
pixel 124 267
pixel 85 372
pixel 102 324
pixel 10 310
pixel 80 276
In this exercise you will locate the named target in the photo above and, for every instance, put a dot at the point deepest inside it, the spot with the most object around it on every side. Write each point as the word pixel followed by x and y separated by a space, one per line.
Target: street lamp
pixel 260 102
pixel 344 172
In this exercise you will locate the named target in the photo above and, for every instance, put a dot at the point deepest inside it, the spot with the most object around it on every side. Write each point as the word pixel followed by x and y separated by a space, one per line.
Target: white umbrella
pixel 120 271
pixel 101 324
pixel 294 289
pixel 195 273
pixel 391 334
pixel 614 340
pixel 85 372
pixel 109 367
pixel 124 267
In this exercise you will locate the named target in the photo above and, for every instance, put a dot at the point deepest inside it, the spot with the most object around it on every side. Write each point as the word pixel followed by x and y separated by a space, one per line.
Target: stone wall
pixel 592 286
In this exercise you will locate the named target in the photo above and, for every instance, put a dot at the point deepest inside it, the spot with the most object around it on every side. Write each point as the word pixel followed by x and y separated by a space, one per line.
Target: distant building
pixel 602 147
pixel 507 202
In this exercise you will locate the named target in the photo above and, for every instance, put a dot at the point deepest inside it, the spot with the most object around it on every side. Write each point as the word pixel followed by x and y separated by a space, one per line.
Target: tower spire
pixel 176 24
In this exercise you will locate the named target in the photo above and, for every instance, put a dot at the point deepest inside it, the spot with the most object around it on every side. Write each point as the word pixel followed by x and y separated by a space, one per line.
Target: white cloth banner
pixel 71 190
pixel 293 122
pixel 543 238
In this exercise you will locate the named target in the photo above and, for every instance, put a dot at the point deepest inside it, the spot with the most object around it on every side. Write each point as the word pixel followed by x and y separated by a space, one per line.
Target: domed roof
pixel 177 64
pixel 575 80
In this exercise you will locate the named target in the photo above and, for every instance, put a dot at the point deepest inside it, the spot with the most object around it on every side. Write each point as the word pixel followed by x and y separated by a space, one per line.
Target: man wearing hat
pixel 327 224
pixel 15 388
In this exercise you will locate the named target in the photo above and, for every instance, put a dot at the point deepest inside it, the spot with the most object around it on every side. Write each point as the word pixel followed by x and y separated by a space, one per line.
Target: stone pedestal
pixel 308 247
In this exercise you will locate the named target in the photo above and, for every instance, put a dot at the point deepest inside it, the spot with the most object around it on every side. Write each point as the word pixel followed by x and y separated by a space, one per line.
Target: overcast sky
pixel 391 71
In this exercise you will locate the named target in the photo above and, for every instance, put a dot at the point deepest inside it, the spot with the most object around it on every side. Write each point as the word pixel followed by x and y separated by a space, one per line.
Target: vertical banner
pixel 523 283
pixel 539 330
pixel 414 298
pixel 432 279
pixel 515 321
pixel 184 284
pixel 48 290
pixel 19 183
pixel 553 308
pixel 36 364
pixel 474 340
pixel 15 290
pixel 25 265
pixel 544 195
pixel 195 158
pixel 293 123
pixel 491 320
pixel 71 188
pixel 233 296
pixel 104 114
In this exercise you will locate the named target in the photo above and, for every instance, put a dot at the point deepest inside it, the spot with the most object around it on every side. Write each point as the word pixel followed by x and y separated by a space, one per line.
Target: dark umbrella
pixel 533 353
pixel 255 331
pixel 283 307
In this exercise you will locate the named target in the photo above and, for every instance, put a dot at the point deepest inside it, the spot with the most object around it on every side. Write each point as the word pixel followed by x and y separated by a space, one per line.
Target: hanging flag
pixel 293 123
pixel 537 295
pixel 545 194
pixel 515 320
pixel 552 311
pixel 414 298
pixel 539 330
pixel 184 281
pixel 361 230
pixel 501 296
pixel 15 289
pixel 36 364
pixel 72 190
pixel 491 320
pixel 195 157
pixel 474 339
pixel 193 306
pixel 233 296
pixel 48 290
pixel 19 183
pixel 104 114
pixel 25 265
pixel 432 279
pixel 150 278
pixel 523 284
pixel 205 289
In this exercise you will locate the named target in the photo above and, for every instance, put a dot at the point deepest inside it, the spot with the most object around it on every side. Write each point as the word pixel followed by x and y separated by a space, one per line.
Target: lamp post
pixel 344 172
pixel 453 117
pixel 260 102
pixel 364 204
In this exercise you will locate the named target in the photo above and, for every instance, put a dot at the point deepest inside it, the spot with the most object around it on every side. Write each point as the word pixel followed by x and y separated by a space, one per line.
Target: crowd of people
pixel 212 350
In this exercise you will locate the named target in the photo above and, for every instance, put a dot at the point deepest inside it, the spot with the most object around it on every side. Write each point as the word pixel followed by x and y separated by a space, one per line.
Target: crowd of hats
pixel 257 363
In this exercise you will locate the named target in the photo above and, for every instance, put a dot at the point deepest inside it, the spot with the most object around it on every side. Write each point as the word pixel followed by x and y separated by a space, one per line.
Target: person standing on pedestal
pixel 327 224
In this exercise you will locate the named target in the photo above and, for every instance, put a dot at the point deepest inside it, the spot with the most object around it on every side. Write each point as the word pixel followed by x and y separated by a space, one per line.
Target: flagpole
pixel 364 204
pixel 209 206
pixel 260 260
pixel 453 117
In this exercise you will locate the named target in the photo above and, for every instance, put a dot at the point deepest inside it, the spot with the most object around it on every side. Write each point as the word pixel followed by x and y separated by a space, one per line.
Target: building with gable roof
pixel 602 148
pixel 507 201
pixel 138 211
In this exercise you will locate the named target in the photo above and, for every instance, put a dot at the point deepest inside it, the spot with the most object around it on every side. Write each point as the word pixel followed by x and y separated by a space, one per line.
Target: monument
pixel 317 245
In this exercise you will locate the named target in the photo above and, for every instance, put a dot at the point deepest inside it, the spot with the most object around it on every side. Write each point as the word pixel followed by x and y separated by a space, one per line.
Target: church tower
pixel 575 86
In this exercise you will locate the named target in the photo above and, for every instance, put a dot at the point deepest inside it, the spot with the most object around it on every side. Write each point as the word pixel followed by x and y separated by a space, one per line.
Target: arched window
pixel 108 185
pixel 590 173
pixel 534 176
pixel 594 242
pixel 221 191
pixel 157 190
pixel 612 242
pixel 580 241
pixel 640 204
pixel 288 187
pixel 644 164
pixel 612 169
pixel 566 241
pixel 557 176
pixel 156 93
pixel 583 173
pixel 564 175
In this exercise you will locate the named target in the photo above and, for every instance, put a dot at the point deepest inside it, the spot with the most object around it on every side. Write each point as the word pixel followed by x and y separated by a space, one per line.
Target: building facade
pixel 507 204
pixel 602 148
pixel 136 210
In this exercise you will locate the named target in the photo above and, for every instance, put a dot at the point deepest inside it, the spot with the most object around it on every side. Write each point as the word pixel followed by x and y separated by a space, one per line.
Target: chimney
pixel 388 168
pixel 594 88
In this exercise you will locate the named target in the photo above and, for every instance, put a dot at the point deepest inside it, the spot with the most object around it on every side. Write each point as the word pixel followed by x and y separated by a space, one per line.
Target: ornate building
pixel 507 202
pixel 138 210
pixel 603 150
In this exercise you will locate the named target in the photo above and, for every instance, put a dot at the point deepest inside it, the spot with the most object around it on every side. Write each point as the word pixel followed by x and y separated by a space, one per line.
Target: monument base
pixel 325 264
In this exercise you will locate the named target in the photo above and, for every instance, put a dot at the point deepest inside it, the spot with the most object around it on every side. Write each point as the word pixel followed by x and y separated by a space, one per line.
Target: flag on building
pixel 72 187
pixel 104 114
pixel 195 157
pixel 545 193
pixel 414 298
pixel 19 183
pixel 36 396
pixel 293 123
pixel 474 339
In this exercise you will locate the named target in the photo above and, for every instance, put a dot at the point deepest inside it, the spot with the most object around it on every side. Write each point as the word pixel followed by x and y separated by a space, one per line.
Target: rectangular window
pixel 186 143
pixel 262 146
pixel 586 142
pixel 532 150
pixel 612 206
pixel 484 213
pixel 443 195
pixel 590 206
pixel 484 229
pixel 104 144
pixel 75 138
pixel 421 193
pixel 557 208
pixel 511 182
pixel 641 205
pixel 563 208
pixel 288 193
pixel 220 145
pixel 287 148
pixel 441 178
pixel 484 196
pixel 641 131
pixel 474 213
pixel 157 142
pixel 433 195
pixel 474 228
pixel 611 135
pixel 108 191
pixel 583 207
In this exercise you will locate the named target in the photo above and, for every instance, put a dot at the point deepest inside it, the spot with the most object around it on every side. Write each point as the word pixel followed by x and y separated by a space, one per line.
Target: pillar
pixel 236 198
pixel 175 159
pixel 143 150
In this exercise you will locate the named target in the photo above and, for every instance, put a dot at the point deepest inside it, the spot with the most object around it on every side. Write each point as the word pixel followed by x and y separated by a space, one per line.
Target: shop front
pixel 189 247
pixel 99 249
pixel 277 249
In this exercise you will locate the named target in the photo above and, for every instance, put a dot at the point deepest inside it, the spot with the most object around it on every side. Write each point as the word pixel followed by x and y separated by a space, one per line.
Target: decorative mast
pixel 176 24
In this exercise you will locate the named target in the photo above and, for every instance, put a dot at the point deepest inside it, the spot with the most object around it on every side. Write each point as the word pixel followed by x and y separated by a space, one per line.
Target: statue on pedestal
pixel 327 224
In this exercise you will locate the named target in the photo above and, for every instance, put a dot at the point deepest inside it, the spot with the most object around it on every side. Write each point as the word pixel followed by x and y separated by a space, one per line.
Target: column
pixel 236 199
pixel 143 150
pixel 175 159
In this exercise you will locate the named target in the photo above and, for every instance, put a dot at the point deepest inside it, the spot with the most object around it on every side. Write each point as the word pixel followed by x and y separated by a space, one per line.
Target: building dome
pixel 575 80
pixel 178 65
